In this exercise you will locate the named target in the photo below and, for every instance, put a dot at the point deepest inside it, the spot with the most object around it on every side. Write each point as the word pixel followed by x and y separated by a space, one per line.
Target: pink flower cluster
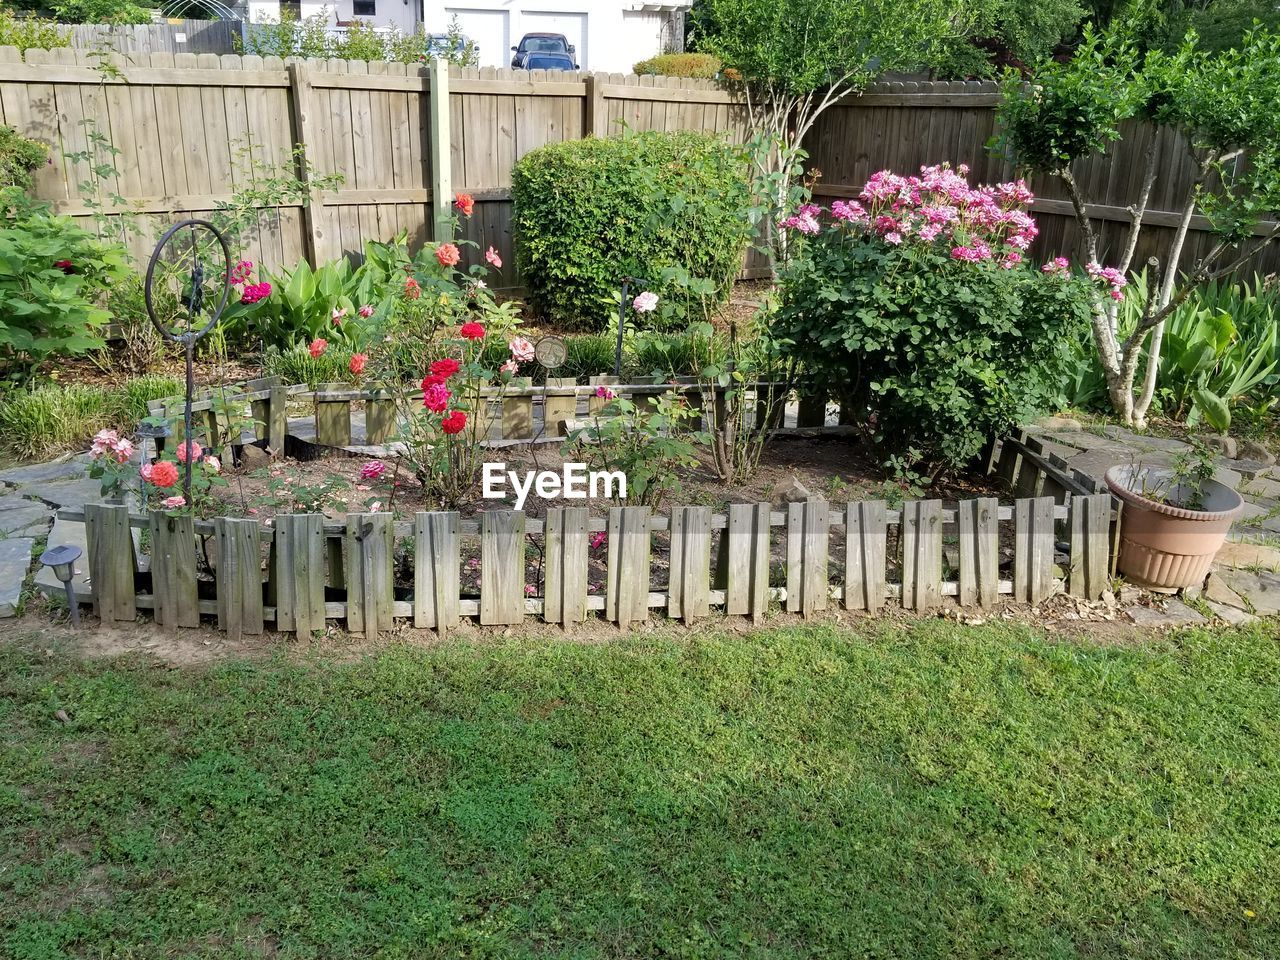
pixel 240 275
pixel 984 223
pixel 1109 277
pixel 108 443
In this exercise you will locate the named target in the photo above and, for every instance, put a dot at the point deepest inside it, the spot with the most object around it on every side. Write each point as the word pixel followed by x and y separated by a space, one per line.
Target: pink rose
pixel 521 349
pixel 495 261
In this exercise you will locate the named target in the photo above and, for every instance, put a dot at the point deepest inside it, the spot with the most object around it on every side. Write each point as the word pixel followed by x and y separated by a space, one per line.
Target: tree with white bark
pixel 1226 108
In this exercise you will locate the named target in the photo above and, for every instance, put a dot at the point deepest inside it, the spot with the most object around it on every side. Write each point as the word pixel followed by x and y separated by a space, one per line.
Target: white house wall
pixel 613 36
pixel 387 13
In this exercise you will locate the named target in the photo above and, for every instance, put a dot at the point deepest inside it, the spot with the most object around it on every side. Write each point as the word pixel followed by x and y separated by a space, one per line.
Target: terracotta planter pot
pixel 1163 547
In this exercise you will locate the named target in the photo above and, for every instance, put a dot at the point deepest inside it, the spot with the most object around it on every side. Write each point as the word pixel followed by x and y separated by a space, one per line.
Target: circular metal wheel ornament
pixel 188 280
pixel 551 352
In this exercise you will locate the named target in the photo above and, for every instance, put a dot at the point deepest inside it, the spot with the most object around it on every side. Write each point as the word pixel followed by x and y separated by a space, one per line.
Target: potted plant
pixel 1174 520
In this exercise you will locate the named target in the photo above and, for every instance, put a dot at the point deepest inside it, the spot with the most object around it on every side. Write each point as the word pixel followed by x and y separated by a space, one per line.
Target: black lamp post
pixel 62 560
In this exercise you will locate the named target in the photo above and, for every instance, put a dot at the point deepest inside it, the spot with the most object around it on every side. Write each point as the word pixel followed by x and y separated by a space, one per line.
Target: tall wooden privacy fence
pixel 401 137
pixel 370 571
pixel 168 36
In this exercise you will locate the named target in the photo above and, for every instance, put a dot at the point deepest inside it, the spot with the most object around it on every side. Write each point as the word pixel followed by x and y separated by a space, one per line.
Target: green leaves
pixel 1214 409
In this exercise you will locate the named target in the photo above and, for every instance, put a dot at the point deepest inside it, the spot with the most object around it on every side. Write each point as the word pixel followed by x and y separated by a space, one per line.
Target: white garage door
pixel 572 25
pixel 489 30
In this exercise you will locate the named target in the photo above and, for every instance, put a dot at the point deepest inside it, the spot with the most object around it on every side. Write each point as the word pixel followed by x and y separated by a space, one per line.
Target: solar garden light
pixel 62 560
pixel 156 431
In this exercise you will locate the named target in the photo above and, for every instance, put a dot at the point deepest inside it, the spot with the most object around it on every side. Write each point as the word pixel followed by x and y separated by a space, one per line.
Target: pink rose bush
pixel 915 303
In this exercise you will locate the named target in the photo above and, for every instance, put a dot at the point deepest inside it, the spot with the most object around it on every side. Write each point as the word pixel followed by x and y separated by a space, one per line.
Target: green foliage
pixel 310 37
pixel 799 793
pixel 987 32
pixel 19 158
pixel 937 355
pixel 48 309
pixel 588 355
pixel 118 12
pixel 53 418
pixel 31 32
pixel 295 364
pixel 703 66
pixel 590 212
pixel 649 441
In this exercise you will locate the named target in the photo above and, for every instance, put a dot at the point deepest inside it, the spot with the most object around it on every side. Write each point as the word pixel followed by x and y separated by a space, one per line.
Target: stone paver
pixel 1216 589
pixel 1175 613
pixel 1261 590
pixel 1230 615
pixel 73 494
pixel 15 561
pixel 62 469
pixel 19 516
pixel 1248 555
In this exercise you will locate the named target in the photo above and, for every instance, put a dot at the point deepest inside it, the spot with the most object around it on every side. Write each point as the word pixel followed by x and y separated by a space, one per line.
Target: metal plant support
pixel 193 299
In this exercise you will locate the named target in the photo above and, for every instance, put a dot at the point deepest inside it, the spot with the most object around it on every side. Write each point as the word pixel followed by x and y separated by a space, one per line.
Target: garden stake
pixel 191 334
pixel 622 326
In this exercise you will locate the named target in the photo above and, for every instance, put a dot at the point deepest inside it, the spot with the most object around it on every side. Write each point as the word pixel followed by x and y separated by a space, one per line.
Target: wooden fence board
pixel 436 571
pixel 502 548
pixel 298 573
pixel 921 554
pixel 556 410
pixel 747 555
pixel 370 554
pixel 565 583
pixel 239 576
pixel 173 570
pixel 1090 545
pixel 979 551
pixel 111 561
pixel 517 412
pixel 690 569
pixel 333 419
pixel 1033 549
pixel 627 591
pixel 866 540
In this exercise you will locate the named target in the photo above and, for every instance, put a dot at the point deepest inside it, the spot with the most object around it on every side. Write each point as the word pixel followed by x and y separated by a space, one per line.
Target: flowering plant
pixel 914 305
pixel 442 434
pixel 162 478
pixel 109 461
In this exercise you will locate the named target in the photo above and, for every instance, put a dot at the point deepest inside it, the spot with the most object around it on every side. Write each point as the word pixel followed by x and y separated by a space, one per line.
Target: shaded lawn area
pixel 925 791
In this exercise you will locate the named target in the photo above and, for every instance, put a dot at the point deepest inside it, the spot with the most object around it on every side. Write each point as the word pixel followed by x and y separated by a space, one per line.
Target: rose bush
pixel 914 306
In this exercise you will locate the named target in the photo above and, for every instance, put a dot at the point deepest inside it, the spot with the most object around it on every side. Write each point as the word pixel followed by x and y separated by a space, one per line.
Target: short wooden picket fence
pixel 302 571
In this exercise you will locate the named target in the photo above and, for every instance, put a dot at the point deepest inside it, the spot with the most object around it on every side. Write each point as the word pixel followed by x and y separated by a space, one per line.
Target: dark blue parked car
pixel 549 61
pixel 542 44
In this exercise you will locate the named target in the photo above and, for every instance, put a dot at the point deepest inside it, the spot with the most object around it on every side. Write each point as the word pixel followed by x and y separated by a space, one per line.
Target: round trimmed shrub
pixel 668 209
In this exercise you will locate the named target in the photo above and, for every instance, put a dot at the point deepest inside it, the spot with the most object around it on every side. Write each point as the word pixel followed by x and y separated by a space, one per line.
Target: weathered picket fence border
pixel 316 570
pixel 509 411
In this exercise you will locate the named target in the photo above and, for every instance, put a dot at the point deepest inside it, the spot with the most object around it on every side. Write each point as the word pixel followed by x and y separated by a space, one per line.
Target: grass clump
pixel 926 791
pixel 54 418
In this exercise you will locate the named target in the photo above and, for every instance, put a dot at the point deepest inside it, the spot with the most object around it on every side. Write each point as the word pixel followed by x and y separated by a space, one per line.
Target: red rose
pixel 465 204
pixel 66 266
pixel 472 331
pixel 411 289
pixel 445 368
pixel 358 360
pixel 453 422
pixel 164 474
pixel 430 381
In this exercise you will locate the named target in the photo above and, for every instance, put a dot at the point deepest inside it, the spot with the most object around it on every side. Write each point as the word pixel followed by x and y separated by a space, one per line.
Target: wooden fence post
pixel 379 416
pixel 441 154
pixel 173 570
pixel 979 551
pixel 556 410
pixel 596 118
pixel 304 143
pixel 111 561
pixel 517 412
pixel 333 417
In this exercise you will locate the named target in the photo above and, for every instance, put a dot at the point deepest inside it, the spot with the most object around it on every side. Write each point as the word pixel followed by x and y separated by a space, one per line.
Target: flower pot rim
pixel 1131 497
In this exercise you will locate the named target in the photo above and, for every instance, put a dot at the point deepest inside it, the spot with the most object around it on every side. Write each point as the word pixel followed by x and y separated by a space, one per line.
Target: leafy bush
pixel 19 158
pixel 53 418
pixel 31 33
pixel 920 315
pixel 585 218
pixel 53 274
pixel 310 37
pixel 703 66
pixel 100 11
pixel 295 364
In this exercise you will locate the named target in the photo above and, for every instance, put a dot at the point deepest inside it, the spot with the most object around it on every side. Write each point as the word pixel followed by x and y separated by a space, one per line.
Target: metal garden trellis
pixel 191 333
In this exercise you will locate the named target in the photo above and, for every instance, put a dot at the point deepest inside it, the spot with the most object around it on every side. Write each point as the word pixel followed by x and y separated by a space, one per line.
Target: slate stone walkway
pixel 1245 582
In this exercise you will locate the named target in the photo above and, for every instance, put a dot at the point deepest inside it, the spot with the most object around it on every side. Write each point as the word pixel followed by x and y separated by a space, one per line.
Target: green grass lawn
pixel 931 791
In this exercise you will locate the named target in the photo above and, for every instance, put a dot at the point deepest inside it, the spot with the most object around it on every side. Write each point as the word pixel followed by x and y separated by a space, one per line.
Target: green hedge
pixel 589 212
pixel 702 66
